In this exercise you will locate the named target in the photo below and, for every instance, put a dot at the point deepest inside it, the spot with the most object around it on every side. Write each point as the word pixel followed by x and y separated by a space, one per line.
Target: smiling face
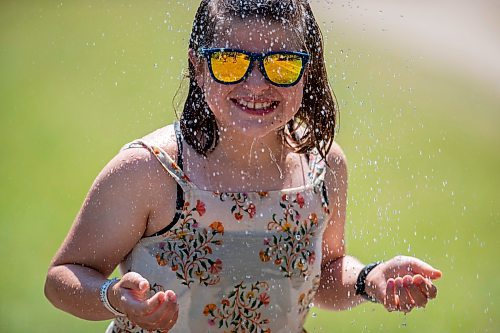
pixel 254 107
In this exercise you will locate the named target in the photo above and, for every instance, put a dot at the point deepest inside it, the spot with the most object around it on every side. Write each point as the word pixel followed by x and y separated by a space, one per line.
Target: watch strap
pixel 361 281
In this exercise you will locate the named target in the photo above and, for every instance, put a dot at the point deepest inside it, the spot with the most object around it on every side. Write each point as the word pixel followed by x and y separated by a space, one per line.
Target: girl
pixel 231 219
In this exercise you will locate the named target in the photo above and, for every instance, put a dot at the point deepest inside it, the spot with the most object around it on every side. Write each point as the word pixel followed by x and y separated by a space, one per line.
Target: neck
pixel 248 152
pixel 242 163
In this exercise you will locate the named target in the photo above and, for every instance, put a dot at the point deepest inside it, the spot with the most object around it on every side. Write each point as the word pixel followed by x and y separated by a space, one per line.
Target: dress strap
pixel 317 168
pixel 317 172
pixel 169 164
pixel 173 168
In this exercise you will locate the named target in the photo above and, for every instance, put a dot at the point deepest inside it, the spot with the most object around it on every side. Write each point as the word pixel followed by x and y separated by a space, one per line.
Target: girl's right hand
pixel 131 296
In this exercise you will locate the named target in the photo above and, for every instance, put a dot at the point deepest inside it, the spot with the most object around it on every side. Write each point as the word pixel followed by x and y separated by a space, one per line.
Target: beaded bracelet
pixel 103 296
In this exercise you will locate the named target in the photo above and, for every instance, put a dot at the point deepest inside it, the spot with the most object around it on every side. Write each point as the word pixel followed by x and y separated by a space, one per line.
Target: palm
pixel 403 283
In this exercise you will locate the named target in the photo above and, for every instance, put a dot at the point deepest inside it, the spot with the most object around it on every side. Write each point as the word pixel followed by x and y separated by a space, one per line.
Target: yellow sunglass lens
pixel 229 66
pixel 283 68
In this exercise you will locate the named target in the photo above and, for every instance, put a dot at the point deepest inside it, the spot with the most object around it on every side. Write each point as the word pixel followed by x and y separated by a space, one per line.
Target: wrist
pixel 366 285
pixel 113 296
pixel 110 298
pixel 372 283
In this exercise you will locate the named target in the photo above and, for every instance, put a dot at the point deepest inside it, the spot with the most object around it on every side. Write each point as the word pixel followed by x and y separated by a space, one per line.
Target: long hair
pixel 313 126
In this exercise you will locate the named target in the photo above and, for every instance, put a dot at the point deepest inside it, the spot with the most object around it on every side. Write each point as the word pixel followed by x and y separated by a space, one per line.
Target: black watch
pixel 361 281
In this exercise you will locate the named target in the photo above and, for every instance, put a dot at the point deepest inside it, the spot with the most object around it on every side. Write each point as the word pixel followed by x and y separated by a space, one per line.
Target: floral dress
pixel 238 262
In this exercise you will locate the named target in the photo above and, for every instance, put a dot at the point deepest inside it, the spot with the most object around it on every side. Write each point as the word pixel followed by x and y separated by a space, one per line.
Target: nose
pixel 255 80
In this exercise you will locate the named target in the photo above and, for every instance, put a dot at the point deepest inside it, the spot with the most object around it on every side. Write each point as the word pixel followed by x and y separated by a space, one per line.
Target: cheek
pixel 215 94
pixel 293 97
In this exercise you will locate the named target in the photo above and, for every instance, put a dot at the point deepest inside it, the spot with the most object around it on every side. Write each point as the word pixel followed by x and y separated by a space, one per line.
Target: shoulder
pixel 336 159
pixel 164 138
pixel 136 166
pixel 336 175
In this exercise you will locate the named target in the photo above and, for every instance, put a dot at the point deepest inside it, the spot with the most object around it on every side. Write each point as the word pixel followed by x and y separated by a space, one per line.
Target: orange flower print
pixel 306 298
pixel 175 166
pixel 200 207
pixel 263 256
pixel 314 218
pixel 188 248
pixel 241 310
pixel 290 247
pixel 286 227
pixel 209 308
pixel 241 204
pixel 217 227
pixel 160 260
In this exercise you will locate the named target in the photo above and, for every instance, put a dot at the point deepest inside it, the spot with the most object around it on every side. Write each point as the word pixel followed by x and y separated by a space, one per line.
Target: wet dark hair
pixel 313 126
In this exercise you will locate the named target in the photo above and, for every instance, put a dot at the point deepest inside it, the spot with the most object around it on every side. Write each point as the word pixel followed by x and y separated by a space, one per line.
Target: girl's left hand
pixel 402 283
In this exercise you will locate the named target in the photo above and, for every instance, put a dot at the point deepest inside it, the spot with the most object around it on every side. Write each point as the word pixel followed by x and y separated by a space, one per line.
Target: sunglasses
pixel 231 66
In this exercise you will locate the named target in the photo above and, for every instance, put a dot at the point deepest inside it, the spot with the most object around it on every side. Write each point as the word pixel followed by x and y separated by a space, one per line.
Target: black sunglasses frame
pixel 208 52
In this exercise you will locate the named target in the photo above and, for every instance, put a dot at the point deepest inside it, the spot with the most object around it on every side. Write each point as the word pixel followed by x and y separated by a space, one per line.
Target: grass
pixel 78 80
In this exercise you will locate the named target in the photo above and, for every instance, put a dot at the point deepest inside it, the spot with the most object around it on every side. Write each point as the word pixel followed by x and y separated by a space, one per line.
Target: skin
pixel 133 197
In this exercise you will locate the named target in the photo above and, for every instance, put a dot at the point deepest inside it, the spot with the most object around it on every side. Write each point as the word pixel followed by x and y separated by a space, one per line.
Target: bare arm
pixel 110 222
pixel 401 283
pixel 338 271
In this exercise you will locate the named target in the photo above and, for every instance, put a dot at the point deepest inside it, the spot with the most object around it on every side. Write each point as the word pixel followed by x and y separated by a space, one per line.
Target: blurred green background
pixel 79 79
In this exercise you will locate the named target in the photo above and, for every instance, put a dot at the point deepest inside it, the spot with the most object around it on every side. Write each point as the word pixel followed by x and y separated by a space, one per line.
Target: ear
pixel 199 66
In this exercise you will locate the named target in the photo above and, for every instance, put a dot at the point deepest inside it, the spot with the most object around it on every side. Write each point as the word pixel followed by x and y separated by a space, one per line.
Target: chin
pixel 256 126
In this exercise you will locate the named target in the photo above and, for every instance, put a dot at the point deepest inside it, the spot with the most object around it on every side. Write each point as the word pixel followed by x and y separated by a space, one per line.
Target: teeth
pixel 253 105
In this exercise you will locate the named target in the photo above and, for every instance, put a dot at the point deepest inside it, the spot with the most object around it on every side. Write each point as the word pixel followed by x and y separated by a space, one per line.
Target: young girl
pixel 231 219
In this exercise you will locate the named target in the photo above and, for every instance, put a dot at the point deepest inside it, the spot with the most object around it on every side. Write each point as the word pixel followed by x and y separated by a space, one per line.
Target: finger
pixel 162 315
pixel 390 296
pixel 423 268
pixel 405 301
pixel 428 289
pixel 168 321
pixel 142 308
pixel 171 296
pixel 134 281
pixel 162 318
pixel 170 317
pixel 413 289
